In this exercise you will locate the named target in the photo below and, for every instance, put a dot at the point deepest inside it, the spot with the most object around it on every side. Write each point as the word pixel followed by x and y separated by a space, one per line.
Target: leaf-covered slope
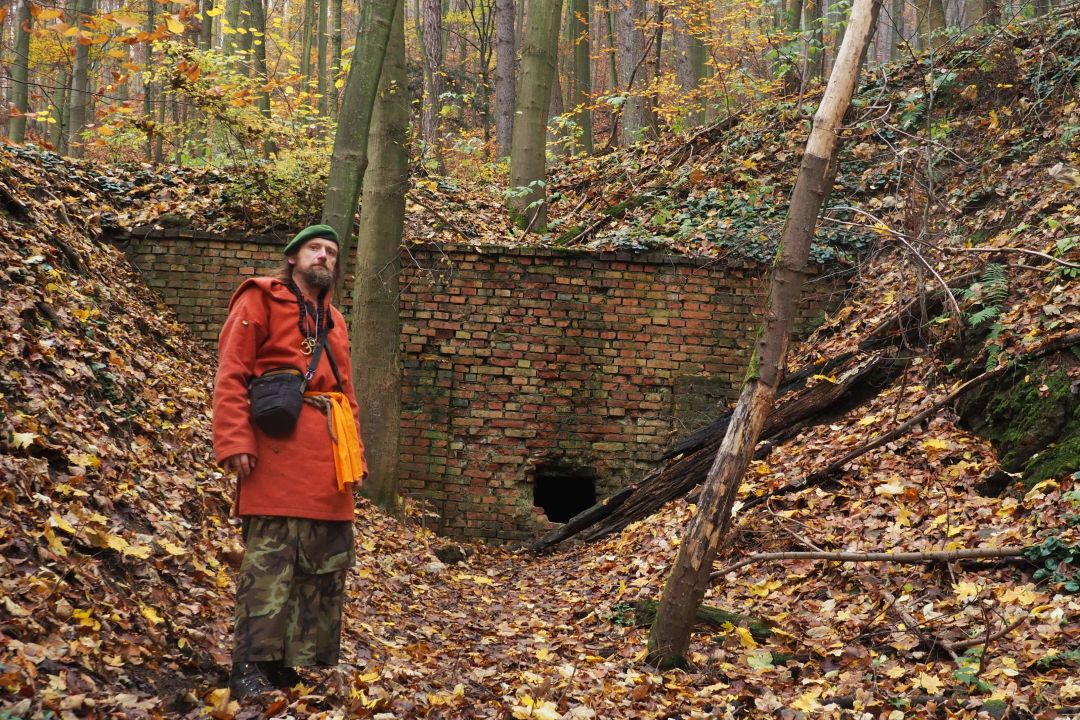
pixel 115 574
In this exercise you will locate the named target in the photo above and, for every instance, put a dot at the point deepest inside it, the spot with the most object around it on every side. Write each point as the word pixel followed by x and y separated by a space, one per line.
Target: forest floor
pixel 118 554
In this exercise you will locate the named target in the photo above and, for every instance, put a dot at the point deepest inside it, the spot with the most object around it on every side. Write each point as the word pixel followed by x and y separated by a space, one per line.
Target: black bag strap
pixel 320 345
pixel 315 355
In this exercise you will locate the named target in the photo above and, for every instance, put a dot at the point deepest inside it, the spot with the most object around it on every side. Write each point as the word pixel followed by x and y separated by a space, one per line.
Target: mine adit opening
pixel 563 490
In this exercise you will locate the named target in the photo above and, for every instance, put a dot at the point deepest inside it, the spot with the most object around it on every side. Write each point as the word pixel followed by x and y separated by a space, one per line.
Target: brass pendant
pixel 308 345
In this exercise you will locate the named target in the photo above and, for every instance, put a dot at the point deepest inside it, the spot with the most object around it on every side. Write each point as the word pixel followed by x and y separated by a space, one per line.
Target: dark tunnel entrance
pixel 562 491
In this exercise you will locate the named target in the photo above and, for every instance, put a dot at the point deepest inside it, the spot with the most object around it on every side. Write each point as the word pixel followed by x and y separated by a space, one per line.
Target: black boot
pixel 247 680
pixel 279 675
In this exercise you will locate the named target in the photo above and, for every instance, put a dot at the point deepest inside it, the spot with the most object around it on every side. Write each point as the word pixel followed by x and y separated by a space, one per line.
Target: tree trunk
pixel 80 83
pixel 433 86
pixel 206 28
pixel 335 53
pixel 230 38
pixel 669 638
pixel 376 323
pixel 349 159
pixel 689 62
pixel 148 85
pixel 307 35
pixel 538 59
pixel 258 20
pixel 612 48
pixel 634 112
pixel 20 73
pixel 899 37
pixel 324 67
pixel 504 75
pixel 245 38
pixel 582 77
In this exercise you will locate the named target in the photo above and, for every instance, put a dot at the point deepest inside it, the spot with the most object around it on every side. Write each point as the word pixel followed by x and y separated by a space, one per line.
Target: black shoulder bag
pixel 278 395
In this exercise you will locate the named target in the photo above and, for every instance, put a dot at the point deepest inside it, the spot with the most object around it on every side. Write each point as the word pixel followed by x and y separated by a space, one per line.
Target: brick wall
pixel 582 367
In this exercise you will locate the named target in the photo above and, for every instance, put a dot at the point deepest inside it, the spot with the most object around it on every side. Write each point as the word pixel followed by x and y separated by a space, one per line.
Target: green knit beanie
pixel 312 231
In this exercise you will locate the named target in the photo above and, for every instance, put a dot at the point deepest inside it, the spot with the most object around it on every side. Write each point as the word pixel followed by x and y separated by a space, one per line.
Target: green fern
pixel 995 285
pixel 987 313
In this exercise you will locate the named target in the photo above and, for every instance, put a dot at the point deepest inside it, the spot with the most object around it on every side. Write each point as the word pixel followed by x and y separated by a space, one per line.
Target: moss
pixel 1033 418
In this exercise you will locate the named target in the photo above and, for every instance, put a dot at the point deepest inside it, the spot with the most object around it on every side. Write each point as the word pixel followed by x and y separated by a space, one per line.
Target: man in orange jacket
pixel 294 488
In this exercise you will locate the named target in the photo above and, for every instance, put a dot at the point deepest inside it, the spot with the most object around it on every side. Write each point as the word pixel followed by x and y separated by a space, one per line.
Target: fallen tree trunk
pixel 675 478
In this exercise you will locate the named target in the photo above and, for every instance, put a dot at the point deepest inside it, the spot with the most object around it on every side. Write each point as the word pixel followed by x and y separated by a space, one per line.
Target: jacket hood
pixel 272 287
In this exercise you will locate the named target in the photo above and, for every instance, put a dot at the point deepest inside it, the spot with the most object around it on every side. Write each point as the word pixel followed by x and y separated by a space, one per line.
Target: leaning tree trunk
pixel 376 323
pixel 538 59
pixel 80 83
pixel 504 75
pixel 582 76
pixel 349 159
pixel 20 73
pixel 689 579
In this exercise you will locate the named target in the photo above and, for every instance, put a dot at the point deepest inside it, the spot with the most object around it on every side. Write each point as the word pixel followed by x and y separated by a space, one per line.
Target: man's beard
pixel 318 277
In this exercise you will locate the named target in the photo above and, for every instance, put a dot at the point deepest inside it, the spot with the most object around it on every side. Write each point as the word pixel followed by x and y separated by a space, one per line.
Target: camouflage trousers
pixel 290 590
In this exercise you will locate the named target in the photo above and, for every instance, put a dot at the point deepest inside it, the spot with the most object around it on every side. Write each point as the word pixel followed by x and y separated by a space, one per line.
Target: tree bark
pixel 376 324
pixel 527 166
pixel 307 35
pixel 634 112
pixel 80 83
pixel 582 77
pixel 20 73
pixel 504 76
pixel 689 61
pixel 148 85
pixel 206 27
pixel 669 638
pixel 323 87
pixel 433 80
pixel 230 40
pixel 349 159
pixel 258 20
pixel 335 54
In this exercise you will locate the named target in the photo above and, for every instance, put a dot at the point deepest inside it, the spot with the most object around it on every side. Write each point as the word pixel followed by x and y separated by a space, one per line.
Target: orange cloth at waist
pixel 348 460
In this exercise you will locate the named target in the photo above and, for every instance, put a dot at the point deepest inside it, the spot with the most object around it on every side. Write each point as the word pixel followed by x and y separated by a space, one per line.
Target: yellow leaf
pixel 117 543
pixel 807 702
pixel 966 590
pixel 21 440
pixel 994 120
pixel 125 20
pixel 55 544
pixel 896 672
pixel 745 638
pixel 896 487
pixel 543 654
pixel 826 378
pixel 140 551
pixel 1023 595
pixel 931 684
pixel 45 14
pixel 369 677
pixel 214 12
pixel 151 614
pixel 903 516
pixel 763 588
pixel 934 444
pixel 61 524
pixel 171 548
pixel 175 26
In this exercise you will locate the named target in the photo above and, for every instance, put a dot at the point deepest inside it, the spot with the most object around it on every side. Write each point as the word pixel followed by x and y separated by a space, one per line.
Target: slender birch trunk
pixel 504 75
pixel 669 638
pixel 349 159
pixel 538 62
pixel 376 323
pixel 20 73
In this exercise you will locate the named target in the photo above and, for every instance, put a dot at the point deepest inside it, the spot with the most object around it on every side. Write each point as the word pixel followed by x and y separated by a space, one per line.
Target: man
pixel 293 491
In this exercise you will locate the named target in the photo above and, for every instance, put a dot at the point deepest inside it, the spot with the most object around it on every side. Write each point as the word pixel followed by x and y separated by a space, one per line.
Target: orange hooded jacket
pixel 294 475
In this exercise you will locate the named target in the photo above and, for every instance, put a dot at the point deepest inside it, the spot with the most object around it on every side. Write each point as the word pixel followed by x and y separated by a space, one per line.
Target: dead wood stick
pixel 961 645
pixel 1023 251
pixel 913 625
pixel 898 557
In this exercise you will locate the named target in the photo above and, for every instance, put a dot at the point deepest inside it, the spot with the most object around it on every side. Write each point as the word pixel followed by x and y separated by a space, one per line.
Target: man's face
pixel 315 262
